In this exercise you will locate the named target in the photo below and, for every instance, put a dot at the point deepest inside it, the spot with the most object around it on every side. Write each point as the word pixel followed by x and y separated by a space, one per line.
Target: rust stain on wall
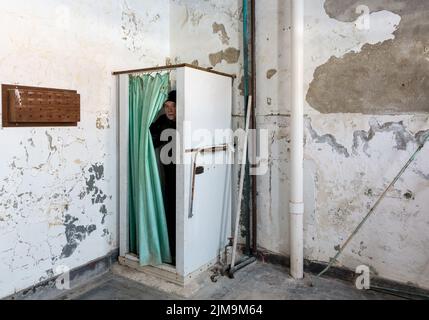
pixel 386 78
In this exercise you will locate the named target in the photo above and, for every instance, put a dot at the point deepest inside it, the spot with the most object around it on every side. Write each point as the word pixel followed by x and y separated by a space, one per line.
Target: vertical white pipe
pixel 296 207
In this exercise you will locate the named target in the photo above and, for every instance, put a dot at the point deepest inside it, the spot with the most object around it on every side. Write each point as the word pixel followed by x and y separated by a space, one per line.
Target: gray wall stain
pixel 362 138
pixel 96 173
pixel 385 78
pixel 50 142
pixel 409 195
pixel 31 141
pixel 90 184
pixel 99 198
pixel 422 136
pixel 401 134
pixel 241 86
pixel 75 234
pixel 98 170
pixel 103 210
pixel 421 174
pixel 326 138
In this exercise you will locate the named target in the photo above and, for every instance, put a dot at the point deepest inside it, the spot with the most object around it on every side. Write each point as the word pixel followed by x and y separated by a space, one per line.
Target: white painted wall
pixel 57 185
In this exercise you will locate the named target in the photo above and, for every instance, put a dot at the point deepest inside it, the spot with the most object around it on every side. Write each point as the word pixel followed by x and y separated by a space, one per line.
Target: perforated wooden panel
pixel 30 106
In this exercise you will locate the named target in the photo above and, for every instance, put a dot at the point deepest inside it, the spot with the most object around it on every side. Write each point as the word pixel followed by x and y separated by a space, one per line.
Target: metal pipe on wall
pixel 296 206
pixel 250 185
pixel 247 182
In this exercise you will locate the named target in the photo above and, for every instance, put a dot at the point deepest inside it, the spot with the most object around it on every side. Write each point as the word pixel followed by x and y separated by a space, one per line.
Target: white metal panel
pixel 182 171
pixel 123 129
pixel 206 105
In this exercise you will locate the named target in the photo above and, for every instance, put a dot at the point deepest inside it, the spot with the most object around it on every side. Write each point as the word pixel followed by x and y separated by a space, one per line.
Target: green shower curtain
pixel 148 226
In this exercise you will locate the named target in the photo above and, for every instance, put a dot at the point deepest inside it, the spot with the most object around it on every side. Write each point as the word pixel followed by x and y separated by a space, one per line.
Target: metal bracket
pixel 200 170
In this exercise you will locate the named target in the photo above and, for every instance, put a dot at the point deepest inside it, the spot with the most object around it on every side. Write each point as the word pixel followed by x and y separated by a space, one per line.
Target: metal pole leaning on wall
pixel 240 195
pixel 247 185
pixel 247 108
pixel 296 206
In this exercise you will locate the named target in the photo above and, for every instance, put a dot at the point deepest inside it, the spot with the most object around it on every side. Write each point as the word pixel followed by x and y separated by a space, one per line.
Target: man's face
pixel 170 110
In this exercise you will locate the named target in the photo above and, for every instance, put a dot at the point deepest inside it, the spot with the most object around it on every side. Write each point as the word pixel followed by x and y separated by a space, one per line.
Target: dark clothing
pixel 156 129
pixel 169 186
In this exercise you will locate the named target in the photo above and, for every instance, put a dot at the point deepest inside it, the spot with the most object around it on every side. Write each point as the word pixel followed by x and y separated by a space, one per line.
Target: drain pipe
pixel 296 206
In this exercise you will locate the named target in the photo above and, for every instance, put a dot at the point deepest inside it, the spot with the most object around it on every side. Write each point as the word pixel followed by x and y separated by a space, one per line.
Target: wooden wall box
pixel 39 107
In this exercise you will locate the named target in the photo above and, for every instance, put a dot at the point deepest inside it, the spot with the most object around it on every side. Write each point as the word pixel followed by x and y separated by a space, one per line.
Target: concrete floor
pixel 256 282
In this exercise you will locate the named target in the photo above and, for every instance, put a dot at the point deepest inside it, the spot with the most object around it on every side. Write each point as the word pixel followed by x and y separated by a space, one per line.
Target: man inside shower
pixel 167 121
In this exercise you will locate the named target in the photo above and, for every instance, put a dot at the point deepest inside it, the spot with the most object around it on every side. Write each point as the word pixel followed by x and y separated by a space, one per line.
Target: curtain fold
pixel 148 226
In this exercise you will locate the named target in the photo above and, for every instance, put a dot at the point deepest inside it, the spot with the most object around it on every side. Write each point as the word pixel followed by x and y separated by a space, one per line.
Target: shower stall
pixel 205 153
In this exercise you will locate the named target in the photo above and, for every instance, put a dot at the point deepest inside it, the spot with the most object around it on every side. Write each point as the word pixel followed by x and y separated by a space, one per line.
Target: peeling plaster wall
pixel 399 64
pixel 366 113
pixel 57 185
pixel 353 148
pixel 209 34
pixel 361 123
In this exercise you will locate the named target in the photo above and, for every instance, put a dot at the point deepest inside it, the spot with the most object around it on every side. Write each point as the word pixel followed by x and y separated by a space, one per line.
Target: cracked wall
pixel 57 185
